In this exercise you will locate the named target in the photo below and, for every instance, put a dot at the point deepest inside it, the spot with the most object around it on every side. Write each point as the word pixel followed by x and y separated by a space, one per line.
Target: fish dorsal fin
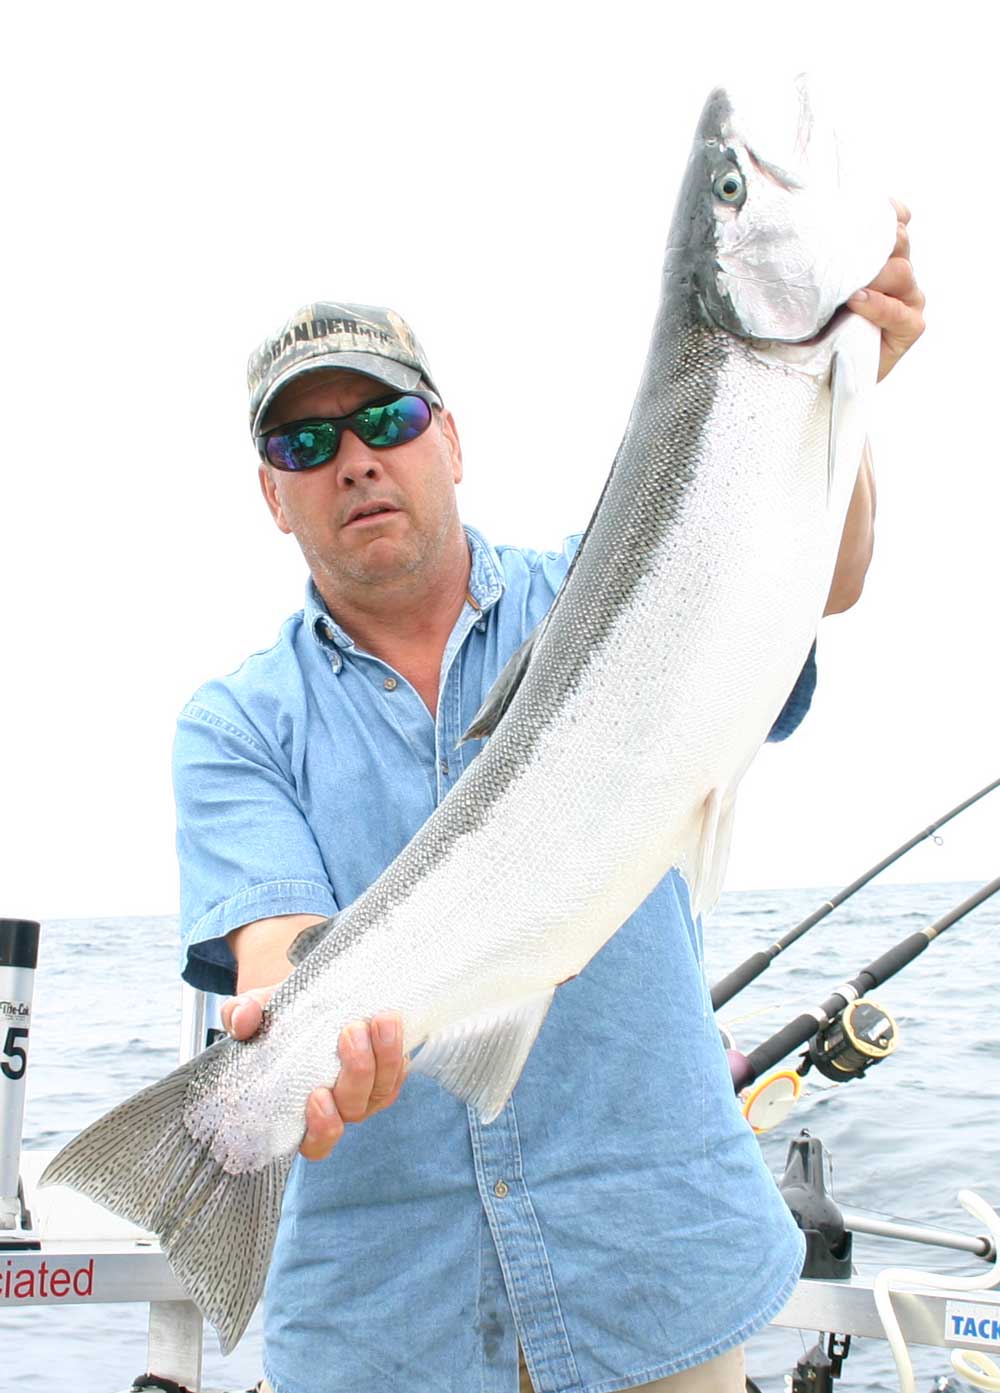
pixel 480 1059
pixel 501 694
pixel 302 945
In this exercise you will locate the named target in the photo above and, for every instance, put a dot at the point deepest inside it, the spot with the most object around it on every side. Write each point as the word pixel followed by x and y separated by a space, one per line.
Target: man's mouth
pixel 369 513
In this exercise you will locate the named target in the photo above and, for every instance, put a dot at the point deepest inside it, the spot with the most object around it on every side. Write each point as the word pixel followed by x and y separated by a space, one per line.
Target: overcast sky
pixel 178 182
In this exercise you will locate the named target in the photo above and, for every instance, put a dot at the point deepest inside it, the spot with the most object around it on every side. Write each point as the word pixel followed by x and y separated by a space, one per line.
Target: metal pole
pixel 194 1022
pixel 18 957
pixel 175 1341
pixel 915 1233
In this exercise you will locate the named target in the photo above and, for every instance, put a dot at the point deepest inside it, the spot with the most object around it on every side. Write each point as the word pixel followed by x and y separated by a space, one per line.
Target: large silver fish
pixel 618 734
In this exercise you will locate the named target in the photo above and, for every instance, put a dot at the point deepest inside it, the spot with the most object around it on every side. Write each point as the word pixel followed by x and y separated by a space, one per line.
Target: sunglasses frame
pixel 430 399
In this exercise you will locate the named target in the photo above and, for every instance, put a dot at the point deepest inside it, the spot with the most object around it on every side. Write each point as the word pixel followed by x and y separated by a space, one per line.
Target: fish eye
pixel 730 187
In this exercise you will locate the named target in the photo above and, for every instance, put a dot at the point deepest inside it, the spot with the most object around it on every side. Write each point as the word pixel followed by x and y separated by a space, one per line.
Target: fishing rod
pixel 847 1034
pixel 757 963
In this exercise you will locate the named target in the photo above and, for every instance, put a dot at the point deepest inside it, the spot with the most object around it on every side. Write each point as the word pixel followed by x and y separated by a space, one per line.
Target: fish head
pixel 775 227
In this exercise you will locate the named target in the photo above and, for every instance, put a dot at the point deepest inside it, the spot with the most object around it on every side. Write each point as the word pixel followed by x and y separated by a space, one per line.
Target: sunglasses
pixel 380 425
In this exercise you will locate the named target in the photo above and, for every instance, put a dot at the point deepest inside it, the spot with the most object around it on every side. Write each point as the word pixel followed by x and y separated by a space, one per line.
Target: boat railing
pixel 58 1248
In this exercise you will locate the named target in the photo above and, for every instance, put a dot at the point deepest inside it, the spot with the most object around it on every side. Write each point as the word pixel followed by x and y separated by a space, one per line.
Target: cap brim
pixel 367 364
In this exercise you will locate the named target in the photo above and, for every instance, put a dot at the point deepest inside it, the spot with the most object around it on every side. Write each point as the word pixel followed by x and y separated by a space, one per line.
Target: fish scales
pixel 625 727
pixel 538 800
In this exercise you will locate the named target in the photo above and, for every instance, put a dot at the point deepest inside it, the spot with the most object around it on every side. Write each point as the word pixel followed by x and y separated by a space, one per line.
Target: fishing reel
pixel 861 1035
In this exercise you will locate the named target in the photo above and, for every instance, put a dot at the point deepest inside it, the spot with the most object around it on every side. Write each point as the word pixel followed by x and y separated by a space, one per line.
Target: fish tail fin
pixel 216 1228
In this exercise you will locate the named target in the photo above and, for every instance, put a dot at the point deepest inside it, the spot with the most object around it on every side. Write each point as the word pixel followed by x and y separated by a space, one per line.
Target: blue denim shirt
pixel 617 1218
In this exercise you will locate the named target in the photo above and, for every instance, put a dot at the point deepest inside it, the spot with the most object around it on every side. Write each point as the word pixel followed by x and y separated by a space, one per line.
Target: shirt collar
pixel 323 627
pixel 486 578
pixel 486 585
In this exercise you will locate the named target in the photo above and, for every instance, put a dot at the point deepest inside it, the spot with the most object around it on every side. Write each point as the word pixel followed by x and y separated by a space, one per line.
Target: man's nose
pixel 356 461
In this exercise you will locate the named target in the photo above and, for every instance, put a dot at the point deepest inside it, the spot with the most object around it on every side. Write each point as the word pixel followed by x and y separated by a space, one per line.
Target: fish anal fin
pixel 480 1060
pixel 303 944
pixel 712 852
pixel 502 693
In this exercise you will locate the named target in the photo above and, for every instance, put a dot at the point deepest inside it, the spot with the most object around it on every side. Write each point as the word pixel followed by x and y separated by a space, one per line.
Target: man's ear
pixel 450 432
pixel 270 492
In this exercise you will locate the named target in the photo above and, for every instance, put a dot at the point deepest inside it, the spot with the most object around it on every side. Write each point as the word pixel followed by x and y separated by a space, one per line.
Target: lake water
pixel 904 1140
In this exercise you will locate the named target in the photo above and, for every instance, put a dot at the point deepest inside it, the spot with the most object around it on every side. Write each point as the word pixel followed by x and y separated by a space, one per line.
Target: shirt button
pixel 390 684
pixel 501 1189
pixel 444 767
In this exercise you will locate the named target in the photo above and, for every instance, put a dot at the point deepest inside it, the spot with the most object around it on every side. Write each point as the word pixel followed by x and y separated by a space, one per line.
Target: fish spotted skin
pixel 625 726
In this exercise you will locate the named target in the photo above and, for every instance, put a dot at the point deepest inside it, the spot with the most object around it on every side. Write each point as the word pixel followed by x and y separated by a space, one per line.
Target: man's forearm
pixel 261 948
pixel 857 542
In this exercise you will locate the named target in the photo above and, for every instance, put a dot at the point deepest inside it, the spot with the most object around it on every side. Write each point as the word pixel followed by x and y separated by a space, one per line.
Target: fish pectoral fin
pixel 501 694
pixel 480 1060
pixel 711 854
pixel 841 394
pixel 303 944
pixel 853 370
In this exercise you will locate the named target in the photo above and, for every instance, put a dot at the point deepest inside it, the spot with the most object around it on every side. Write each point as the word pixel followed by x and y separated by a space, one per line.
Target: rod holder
pixel 18 958
pixel 803 1188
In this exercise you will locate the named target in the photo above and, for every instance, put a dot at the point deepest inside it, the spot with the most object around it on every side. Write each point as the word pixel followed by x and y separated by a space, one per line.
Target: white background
pixel 178 179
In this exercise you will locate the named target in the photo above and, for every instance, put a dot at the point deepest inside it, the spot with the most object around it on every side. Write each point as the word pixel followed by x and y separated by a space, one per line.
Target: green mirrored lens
pixel 305 447
pixel 393 423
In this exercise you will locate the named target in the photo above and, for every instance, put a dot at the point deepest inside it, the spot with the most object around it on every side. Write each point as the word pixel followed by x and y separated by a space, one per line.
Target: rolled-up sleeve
pixel 245 849
pixel 799 700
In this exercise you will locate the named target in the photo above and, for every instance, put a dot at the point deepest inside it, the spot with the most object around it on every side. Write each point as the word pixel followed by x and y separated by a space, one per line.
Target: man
pixel 615 1223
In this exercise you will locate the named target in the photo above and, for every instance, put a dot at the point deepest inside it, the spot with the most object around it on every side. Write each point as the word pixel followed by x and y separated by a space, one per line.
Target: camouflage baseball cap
pixel 360 338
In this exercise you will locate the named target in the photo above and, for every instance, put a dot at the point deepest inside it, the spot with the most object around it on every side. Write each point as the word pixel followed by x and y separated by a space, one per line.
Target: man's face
pixel 414 484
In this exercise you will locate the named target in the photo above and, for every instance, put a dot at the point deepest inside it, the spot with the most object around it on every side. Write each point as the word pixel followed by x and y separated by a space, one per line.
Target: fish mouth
pixel 375 510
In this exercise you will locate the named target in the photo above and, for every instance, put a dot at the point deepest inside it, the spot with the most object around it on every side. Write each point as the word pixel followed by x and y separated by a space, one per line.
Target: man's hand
pixel 895 303
pixel 372 1070
pixel 893 300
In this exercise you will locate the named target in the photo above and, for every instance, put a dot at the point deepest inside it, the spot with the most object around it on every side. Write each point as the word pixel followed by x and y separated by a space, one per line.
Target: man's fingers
pixel 902 246
pixel 357 1073
pixel 896 279
pixel 897 319
pixel 387 1041
pixel 372 1068
pixel 245 1019
pixel 241 1015
pixel 895 303
pixel 324 1126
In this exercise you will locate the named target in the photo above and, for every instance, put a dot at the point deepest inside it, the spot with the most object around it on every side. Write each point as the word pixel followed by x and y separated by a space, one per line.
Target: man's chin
pixel 381 561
